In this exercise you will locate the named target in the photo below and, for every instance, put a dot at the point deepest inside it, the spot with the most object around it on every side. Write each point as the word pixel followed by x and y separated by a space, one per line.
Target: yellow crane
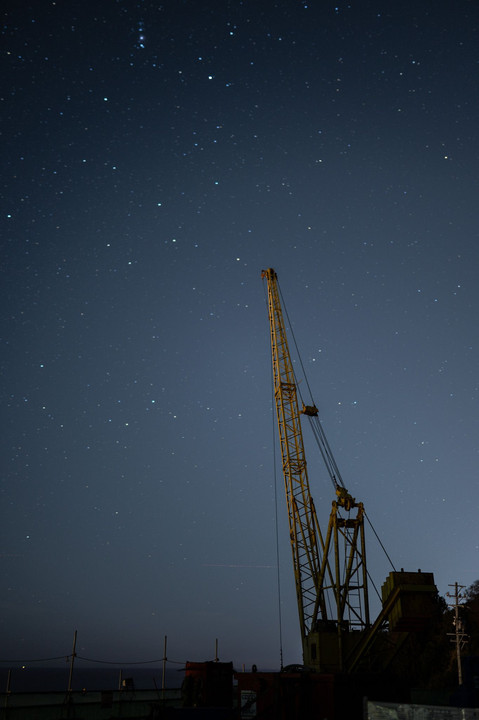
pixel 329 568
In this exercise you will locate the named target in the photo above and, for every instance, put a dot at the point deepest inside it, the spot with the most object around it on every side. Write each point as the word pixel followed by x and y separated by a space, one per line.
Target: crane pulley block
pixel 310 410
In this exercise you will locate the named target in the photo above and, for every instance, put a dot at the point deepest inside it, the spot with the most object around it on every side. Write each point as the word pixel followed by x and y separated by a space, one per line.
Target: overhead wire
pixel 37 660
pixel 114 662
pixel 67 658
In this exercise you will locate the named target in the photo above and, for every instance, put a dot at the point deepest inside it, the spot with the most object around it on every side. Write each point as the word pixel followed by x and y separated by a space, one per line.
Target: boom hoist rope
pixel 311 411
pixel 330 568
pixel 330 462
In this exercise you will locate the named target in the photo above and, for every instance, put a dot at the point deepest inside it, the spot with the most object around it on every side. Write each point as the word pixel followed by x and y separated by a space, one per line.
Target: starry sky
pixel 155 158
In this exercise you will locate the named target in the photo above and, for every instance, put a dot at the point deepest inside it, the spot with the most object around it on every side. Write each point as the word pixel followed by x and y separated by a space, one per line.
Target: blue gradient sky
pixel 155 159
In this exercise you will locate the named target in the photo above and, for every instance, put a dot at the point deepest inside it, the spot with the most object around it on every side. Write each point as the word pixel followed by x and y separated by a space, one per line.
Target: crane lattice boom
pixel 331 592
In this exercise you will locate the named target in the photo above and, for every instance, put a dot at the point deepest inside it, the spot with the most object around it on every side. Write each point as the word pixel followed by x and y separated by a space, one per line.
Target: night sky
pixel 155 158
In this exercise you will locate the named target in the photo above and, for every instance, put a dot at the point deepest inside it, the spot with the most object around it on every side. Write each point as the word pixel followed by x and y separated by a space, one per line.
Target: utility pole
pixel 72 662
pixel 458 637
pixel 163 675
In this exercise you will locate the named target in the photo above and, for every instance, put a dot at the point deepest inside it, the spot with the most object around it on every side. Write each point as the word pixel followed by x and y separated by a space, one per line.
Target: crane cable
pixel 379 540
pixel 297 349
pixel 275 485
pixel 315 422
pixel 278 575
pixel 318 431
pixel 320 435
pixel 325 449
